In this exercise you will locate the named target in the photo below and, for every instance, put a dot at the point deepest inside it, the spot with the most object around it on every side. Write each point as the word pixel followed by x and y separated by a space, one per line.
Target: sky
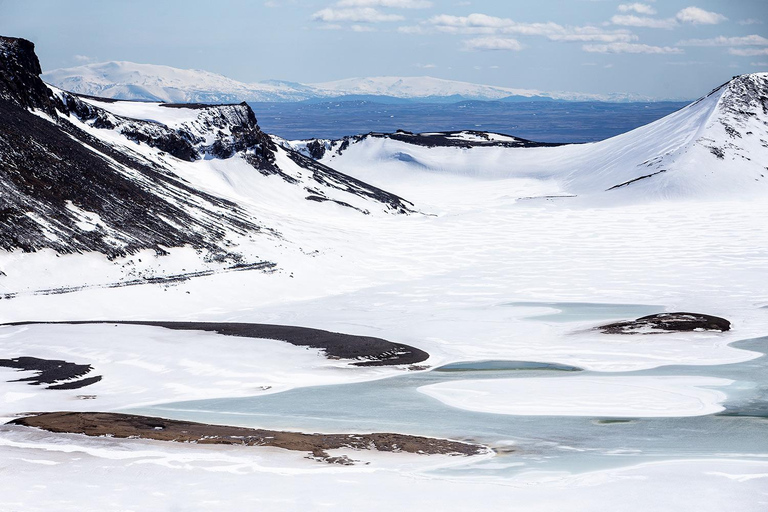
pixel 664 49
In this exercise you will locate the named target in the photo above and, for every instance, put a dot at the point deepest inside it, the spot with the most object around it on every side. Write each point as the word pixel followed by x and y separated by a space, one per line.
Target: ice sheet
pixel 586 396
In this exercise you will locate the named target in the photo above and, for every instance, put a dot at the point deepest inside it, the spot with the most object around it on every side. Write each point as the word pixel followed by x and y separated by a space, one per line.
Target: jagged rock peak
pixel 20 75
pixel 746 92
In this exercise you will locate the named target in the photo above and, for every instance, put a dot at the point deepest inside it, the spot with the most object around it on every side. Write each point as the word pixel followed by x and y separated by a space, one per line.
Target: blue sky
pixel 664 48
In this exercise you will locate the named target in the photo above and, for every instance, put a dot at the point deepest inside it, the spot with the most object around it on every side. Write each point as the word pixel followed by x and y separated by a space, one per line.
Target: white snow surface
pixel 151 82
pixel 585 396
pixel 693 238
pixel 73 473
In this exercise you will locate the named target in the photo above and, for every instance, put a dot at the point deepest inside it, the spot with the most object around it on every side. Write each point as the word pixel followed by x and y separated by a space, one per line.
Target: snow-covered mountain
pixel 148 82
pixel 83 175
pixel 716 146
pixel 426 87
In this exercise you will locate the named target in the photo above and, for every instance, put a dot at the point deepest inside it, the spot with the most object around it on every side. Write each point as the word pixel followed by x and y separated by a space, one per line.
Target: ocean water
pixel 538 121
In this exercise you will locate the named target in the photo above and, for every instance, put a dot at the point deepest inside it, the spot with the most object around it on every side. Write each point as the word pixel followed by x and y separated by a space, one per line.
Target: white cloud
pixel 638 8
pixel 493 43
pixel 398 4
pixel 83 58
pixel 699 16
pixel 759 64
pixel 750 21
pixel 593 34
pixel 748 52
pixel 629 48
pixel 426 66
pixel 411 29
pixel 630 20
pixel 751 40
pixel 362 28
pixel 354 15
pixel 483 24
pixel 491 25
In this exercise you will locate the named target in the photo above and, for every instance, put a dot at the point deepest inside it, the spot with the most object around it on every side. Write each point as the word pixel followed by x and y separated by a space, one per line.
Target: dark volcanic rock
pixel 458 139
pixel 316 149
pixel 144 427
pixel 665 322
pixel 19 80
pixel 372 351
pixel 51 371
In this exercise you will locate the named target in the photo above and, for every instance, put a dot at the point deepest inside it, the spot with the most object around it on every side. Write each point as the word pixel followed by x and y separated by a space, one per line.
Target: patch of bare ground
pixel 130 426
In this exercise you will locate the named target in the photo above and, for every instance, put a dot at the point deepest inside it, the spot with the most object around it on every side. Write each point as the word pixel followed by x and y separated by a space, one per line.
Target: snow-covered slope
pixel 715 147
pixel 149 82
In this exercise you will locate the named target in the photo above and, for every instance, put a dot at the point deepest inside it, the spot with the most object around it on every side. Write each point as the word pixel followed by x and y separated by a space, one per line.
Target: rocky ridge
pixel 65 185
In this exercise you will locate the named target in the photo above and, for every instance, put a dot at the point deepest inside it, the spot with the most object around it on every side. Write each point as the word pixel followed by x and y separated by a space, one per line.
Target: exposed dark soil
pixel 264 266
pixel 661 322
pixel 145 427
pixel 373 351
pixel 51 371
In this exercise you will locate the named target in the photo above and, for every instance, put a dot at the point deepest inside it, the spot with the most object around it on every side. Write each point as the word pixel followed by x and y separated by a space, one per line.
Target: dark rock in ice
pixel 668 322
pixel 52 371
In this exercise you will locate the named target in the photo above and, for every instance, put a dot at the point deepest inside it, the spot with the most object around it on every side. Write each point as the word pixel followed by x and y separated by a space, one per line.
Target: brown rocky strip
pixel 146 427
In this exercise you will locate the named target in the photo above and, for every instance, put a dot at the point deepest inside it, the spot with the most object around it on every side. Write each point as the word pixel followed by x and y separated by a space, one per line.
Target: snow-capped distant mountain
pixel 422 87
pixel 426 87
pixel 149 82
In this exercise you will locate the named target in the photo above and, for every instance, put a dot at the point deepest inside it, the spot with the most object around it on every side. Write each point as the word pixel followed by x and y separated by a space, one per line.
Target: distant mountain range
pixel 149 82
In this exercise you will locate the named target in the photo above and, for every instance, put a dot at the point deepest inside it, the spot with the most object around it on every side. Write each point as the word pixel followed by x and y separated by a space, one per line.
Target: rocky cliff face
pixel 19 76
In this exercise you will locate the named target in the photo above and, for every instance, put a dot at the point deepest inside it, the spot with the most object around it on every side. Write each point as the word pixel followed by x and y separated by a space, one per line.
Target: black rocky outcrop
pixel 59 374
pixel 19 76
pixel 666 322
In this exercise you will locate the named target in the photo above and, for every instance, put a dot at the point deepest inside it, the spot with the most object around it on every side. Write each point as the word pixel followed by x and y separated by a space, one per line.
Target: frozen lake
pixel 526 442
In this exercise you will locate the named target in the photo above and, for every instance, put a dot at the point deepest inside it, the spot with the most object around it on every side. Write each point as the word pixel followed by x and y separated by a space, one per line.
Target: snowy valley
pixel 458 289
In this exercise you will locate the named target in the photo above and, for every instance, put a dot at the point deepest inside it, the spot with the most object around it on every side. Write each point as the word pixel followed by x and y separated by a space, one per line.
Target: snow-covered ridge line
pixel 150 82
pixel 715 147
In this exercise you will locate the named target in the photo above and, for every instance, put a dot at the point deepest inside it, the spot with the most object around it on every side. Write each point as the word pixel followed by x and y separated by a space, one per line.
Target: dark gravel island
pixel 145 427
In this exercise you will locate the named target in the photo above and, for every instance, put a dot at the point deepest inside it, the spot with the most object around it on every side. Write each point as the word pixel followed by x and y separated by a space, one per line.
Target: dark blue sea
pixel 538 121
